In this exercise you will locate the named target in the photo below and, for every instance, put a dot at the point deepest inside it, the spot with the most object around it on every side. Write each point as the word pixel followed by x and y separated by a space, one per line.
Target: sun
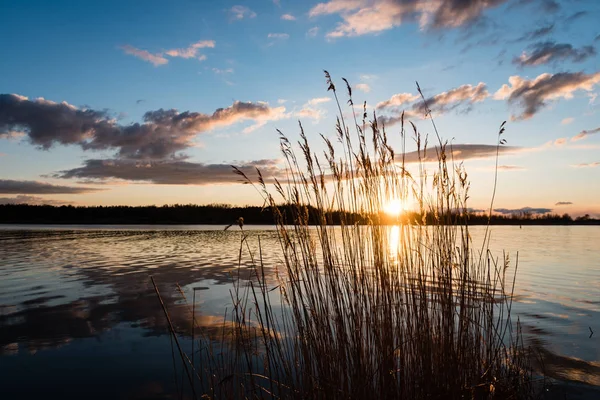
pixel 394 207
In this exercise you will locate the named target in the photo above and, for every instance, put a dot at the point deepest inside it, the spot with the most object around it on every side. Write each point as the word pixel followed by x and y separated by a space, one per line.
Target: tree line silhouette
pixel 226 214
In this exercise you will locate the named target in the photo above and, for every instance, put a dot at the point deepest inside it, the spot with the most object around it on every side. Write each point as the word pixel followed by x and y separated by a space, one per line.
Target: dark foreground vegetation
pixel 225 214
pixel 357 311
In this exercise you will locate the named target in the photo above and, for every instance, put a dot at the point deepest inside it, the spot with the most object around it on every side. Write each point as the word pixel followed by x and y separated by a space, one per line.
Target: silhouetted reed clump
pixel 365 310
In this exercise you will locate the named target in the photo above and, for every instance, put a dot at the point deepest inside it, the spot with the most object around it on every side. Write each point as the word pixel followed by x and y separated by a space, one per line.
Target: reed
pixel 361 309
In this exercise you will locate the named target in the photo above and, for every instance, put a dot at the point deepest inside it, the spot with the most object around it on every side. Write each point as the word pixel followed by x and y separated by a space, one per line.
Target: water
pixel 79 316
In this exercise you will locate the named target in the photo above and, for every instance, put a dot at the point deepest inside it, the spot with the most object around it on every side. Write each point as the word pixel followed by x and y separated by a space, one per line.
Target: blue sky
pixel 128 72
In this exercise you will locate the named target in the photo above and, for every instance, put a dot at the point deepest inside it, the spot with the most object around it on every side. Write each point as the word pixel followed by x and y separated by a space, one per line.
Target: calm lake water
pixel 79 317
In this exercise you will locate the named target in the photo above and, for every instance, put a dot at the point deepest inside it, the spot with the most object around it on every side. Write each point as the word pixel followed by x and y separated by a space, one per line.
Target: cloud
pixel 32 200
pixel 158 59
pixel 363 87
pixel 360 17
pixel 279 113
pixel 462 97
pixel 465 95
pixel 8 186
pixel 318 100
pixel 583 134
pixel 533 95
pixel 280 36
pixel 550 52
pixel 510 168
pixel 523 210
pixel 223 71
pixel 170 172
pixel 550 6
pixel 154 59
pixel 312 113
pixel 397 100
pixel 237 13
pixel 8 134
pixel 312 32
pixel 192 50
pixel 161 135
pixel 182 172
pixel 575 16
pixel 310 108
pixel 587 165
pixel 502 168
pixel 537 33
pixel 459 152
pixel 563 203
pixel 288 17
pixel 567 121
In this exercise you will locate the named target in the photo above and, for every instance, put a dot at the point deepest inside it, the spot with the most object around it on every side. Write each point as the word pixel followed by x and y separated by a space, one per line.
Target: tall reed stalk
pixel 369 311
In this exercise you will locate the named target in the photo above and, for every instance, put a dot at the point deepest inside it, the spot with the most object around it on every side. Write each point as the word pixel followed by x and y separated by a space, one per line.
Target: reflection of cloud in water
pixel 59 287
pixel 108 275
pixel 556 366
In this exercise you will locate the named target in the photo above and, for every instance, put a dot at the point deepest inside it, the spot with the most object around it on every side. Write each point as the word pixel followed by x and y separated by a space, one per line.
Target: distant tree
pixel 585 217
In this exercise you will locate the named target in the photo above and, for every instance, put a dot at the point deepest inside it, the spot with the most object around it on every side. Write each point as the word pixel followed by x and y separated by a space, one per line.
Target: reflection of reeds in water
pixel 428 319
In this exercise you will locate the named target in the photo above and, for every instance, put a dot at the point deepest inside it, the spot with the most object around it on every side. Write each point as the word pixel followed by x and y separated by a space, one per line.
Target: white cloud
pixel 397 100
pixel 363 87
pixel 318 100
pixel 310 108
pixel 238 13
pixel 280 36
pixel 277 113
pixel 309 112
pixel 567 120
pixel 223 71
pixel 312 32
pixel 288 17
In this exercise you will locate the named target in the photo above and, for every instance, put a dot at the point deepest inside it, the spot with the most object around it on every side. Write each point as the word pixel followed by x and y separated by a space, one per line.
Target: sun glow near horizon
pixel 395 207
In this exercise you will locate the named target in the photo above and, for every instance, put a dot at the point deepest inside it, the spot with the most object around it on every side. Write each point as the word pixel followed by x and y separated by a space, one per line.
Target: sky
pixel 137 103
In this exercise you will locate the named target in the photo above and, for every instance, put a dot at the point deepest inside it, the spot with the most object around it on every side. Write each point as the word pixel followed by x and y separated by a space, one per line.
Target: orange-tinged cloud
pixel 155 59
pixel 162 134
pixel 535 94
pixel 585 133
pixel 159 58
pixel 360 17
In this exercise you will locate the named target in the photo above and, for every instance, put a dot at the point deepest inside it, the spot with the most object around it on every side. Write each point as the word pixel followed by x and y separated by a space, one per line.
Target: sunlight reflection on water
pixel 66 291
